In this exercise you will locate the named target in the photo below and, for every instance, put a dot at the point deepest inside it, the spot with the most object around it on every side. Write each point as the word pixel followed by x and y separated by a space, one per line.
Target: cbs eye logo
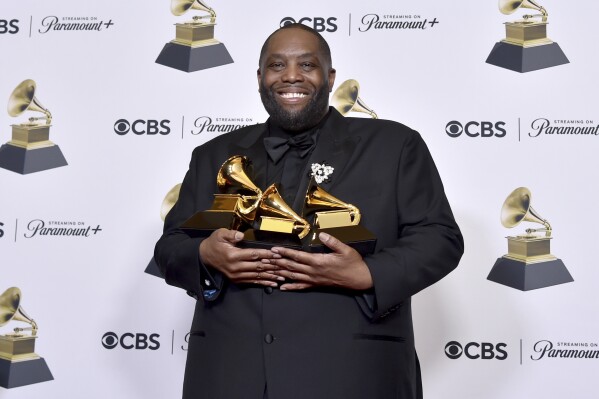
pixel 140 127
pixel 318 23
pixel 139 341
pixel 475 350
pixel 475 129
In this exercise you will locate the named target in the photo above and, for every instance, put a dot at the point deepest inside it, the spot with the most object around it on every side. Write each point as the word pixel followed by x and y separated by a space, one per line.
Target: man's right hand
pixel 240 265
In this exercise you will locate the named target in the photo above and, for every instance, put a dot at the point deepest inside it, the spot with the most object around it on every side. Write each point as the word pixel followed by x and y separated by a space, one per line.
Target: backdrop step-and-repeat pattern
pixel 80 200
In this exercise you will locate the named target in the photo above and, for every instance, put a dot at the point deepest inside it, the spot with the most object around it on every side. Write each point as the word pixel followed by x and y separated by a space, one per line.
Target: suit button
pixel 268 290
pixel 269 338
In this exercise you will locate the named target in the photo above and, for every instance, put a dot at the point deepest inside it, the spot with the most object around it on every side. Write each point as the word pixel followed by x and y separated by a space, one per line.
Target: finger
pixel 333 243
pixel 256 276
pixel 265 283
pixel 299 257
pixel 295 286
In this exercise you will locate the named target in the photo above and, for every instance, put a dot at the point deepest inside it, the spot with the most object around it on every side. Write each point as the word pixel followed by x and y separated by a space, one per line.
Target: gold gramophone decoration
pixel 30 149
pixel 529 264
pixel 346 99
pixel 267 220
pixel 19 364
pixel 194 47
pixel 526 46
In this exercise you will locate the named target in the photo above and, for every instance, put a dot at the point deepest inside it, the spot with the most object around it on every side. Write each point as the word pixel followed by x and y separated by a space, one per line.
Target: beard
pixel 301 120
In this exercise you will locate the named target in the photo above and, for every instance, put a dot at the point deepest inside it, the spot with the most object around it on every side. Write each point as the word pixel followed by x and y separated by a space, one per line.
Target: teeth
pixel 293 95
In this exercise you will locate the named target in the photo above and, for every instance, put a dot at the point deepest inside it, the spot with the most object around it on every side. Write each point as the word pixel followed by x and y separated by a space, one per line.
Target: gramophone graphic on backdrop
pixel 194 47
pixel 529 264
pixel 19 364
pixel 30 149
pixel 526 46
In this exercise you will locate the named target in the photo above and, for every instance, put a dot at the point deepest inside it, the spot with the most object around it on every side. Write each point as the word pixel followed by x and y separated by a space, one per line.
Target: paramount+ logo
pixel 138 341
pixel 319 24
pixel 475 350
pixel 9 26
pixel 476 129
pixel 140 127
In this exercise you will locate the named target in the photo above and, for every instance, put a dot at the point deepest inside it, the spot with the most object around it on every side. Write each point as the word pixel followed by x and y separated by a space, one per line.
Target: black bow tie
pixel 276 147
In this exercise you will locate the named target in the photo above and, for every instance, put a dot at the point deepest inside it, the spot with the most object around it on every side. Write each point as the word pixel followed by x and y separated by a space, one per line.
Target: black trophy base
pixel 268 239
pixel 526 277
pixel 203 223
pixel 357 237
pixel 153 269
pixel 23 161
pixel 526 59
pixel 191 59
pixel 24 372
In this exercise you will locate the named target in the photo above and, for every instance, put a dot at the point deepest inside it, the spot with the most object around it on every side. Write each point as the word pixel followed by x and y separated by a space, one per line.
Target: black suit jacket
pixel 321 343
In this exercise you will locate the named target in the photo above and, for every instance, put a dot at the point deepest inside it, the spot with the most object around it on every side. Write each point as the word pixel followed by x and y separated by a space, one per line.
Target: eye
pixel 277 66
pixel 307 66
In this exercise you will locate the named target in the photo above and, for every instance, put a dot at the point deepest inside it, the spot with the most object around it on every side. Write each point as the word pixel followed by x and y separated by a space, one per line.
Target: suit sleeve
pixel 429 243
pixel 176 253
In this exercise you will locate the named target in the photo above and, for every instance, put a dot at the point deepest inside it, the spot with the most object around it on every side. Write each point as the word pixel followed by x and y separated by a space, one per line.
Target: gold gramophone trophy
pixel 346 99
pixel 30 149
pixel 275 223
pixel 236 204
pixel 19 364
pixel 194 47
pixel 529 264
pixel 168 202
pixel 526 46
pixel 337 218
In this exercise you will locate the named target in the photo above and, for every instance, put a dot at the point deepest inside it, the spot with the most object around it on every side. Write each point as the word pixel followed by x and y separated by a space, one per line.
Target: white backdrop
pixel 80 288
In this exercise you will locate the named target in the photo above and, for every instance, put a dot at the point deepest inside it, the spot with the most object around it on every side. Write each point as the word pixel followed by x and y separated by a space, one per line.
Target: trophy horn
pixel 23 99
pixel 327 207
pixel 517 208
pixel 345 99
pixel 509 6
pixel 232 178
pixel 169 201
pixel 10 309
pixel 273 210
pixel 180 7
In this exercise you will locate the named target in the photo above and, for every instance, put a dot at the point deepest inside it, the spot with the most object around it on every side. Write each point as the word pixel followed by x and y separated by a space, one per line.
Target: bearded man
pixel 285 324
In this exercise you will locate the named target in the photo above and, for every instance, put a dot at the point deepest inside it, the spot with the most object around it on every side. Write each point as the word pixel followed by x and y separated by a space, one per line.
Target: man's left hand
pixel 344 267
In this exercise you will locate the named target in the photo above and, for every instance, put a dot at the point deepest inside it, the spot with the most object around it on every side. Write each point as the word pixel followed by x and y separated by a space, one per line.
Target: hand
pixel 344 267
pixel 240 265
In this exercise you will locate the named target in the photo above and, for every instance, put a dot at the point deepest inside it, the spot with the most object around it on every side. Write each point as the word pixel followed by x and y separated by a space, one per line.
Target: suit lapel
pixel 333 149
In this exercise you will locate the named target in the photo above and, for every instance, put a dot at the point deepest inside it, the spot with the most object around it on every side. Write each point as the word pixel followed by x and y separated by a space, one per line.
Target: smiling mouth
pixel 293 95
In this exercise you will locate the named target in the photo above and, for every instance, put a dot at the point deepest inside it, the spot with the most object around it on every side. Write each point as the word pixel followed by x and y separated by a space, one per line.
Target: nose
pixel 292 74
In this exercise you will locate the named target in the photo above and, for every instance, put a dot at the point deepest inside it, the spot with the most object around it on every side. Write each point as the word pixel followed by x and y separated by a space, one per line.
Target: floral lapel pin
pixel 321 172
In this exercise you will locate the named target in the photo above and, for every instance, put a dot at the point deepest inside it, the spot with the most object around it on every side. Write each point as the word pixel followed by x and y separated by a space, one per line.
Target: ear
pixel 332 74
pixel 259 76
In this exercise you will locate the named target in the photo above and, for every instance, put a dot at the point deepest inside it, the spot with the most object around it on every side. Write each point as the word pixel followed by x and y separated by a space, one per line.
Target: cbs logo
pixel 138 341
pixel 318 23
pixel 1 231
pixel 475 350
pixel 140 127
pixel 7 26
pixel 476 129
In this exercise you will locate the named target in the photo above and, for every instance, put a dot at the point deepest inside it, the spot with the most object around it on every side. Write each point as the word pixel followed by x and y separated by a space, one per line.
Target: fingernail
pixel 275 250
pixel 238 235
pixel 324 236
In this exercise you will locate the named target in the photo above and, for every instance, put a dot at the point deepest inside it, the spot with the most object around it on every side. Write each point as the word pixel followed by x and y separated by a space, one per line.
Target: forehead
pixel 293 42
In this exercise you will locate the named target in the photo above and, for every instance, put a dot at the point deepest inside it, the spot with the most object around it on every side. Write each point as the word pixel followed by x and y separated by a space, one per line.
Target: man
pixel 285 324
